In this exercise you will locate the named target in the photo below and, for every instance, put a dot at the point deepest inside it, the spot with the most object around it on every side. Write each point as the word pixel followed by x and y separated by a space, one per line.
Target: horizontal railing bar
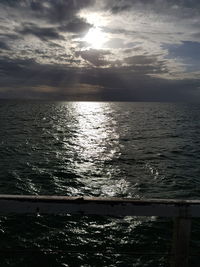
pixel 99 206
pixel 99 199
pixel 59 251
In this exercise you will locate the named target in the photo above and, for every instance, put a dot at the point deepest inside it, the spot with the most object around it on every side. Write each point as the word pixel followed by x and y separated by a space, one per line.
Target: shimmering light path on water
pixel 139 150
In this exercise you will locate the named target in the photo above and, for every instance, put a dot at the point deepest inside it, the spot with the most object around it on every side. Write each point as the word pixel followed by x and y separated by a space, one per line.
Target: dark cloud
pixel 121 84
pixel 28 72
pixel 181 8
pixel 121 5
pixel 117 31
pixel 4 46
pixel 95 57
pixel 196 35
pixel 145 64
pixel 10 2
pixel 43 33
pixel 9 36
pixel 140 60
pixel 55 82
pixel 120 8
pixel 77 25
pixel 53 10
pixel 133 49
pixel 62 10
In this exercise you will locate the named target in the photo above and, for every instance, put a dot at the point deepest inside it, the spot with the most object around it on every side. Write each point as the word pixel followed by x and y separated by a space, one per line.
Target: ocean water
pixel 107 149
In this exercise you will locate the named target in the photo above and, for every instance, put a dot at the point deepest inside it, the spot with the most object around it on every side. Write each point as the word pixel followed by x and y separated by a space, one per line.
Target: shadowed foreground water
pixel 139 150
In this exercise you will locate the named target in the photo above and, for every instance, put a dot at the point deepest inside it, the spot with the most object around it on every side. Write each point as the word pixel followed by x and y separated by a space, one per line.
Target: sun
pixel 95 37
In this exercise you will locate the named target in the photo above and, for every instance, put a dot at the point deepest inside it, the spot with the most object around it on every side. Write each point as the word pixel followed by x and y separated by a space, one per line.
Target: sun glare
pixel 95 37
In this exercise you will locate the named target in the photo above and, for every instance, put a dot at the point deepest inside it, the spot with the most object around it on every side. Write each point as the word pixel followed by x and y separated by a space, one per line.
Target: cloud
pixel 52 10
pixel 44 33
pixel 33 80
pixel 46 74
pixel 122 84
pixel 95 57
pixel 150 49
pixel 115 43
pixel 4 46
pixel 76 25
pixel 59 11
pixel 158 6
pixel 29 79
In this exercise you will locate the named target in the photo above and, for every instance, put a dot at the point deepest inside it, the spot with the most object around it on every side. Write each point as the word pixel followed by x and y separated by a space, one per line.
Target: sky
pixel 103 50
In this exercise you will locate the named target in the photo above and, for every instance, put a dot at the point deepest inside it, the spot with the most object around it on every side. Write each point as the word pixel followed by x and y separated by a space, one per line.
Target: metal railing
pixel 181 210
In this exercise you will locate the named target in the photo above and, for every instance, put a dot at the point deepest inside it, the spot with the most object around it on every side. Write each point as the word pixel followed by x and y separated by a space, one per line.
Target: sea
pixel 101 149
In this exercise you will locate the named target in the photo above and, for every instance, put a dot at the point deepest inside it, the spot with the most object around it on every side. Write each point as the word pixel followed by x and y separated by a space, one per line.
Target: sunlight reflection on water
pixel 95 131
pixel 97 141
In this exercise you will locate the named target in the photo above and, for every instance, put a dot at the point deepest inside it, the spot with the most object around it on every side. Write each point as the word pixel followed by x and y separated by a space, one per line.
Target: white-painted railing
pixel 181 210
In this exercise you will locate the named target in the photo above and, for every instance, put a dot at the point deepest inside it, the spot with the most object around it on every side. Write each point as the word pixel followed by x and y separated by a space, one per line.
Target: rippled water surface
pixel 139 150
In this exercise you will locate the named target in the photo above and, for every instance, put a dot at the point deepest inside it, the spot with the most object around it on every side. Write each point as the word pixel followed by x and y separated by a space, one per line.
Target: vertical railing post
pixel 181 242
